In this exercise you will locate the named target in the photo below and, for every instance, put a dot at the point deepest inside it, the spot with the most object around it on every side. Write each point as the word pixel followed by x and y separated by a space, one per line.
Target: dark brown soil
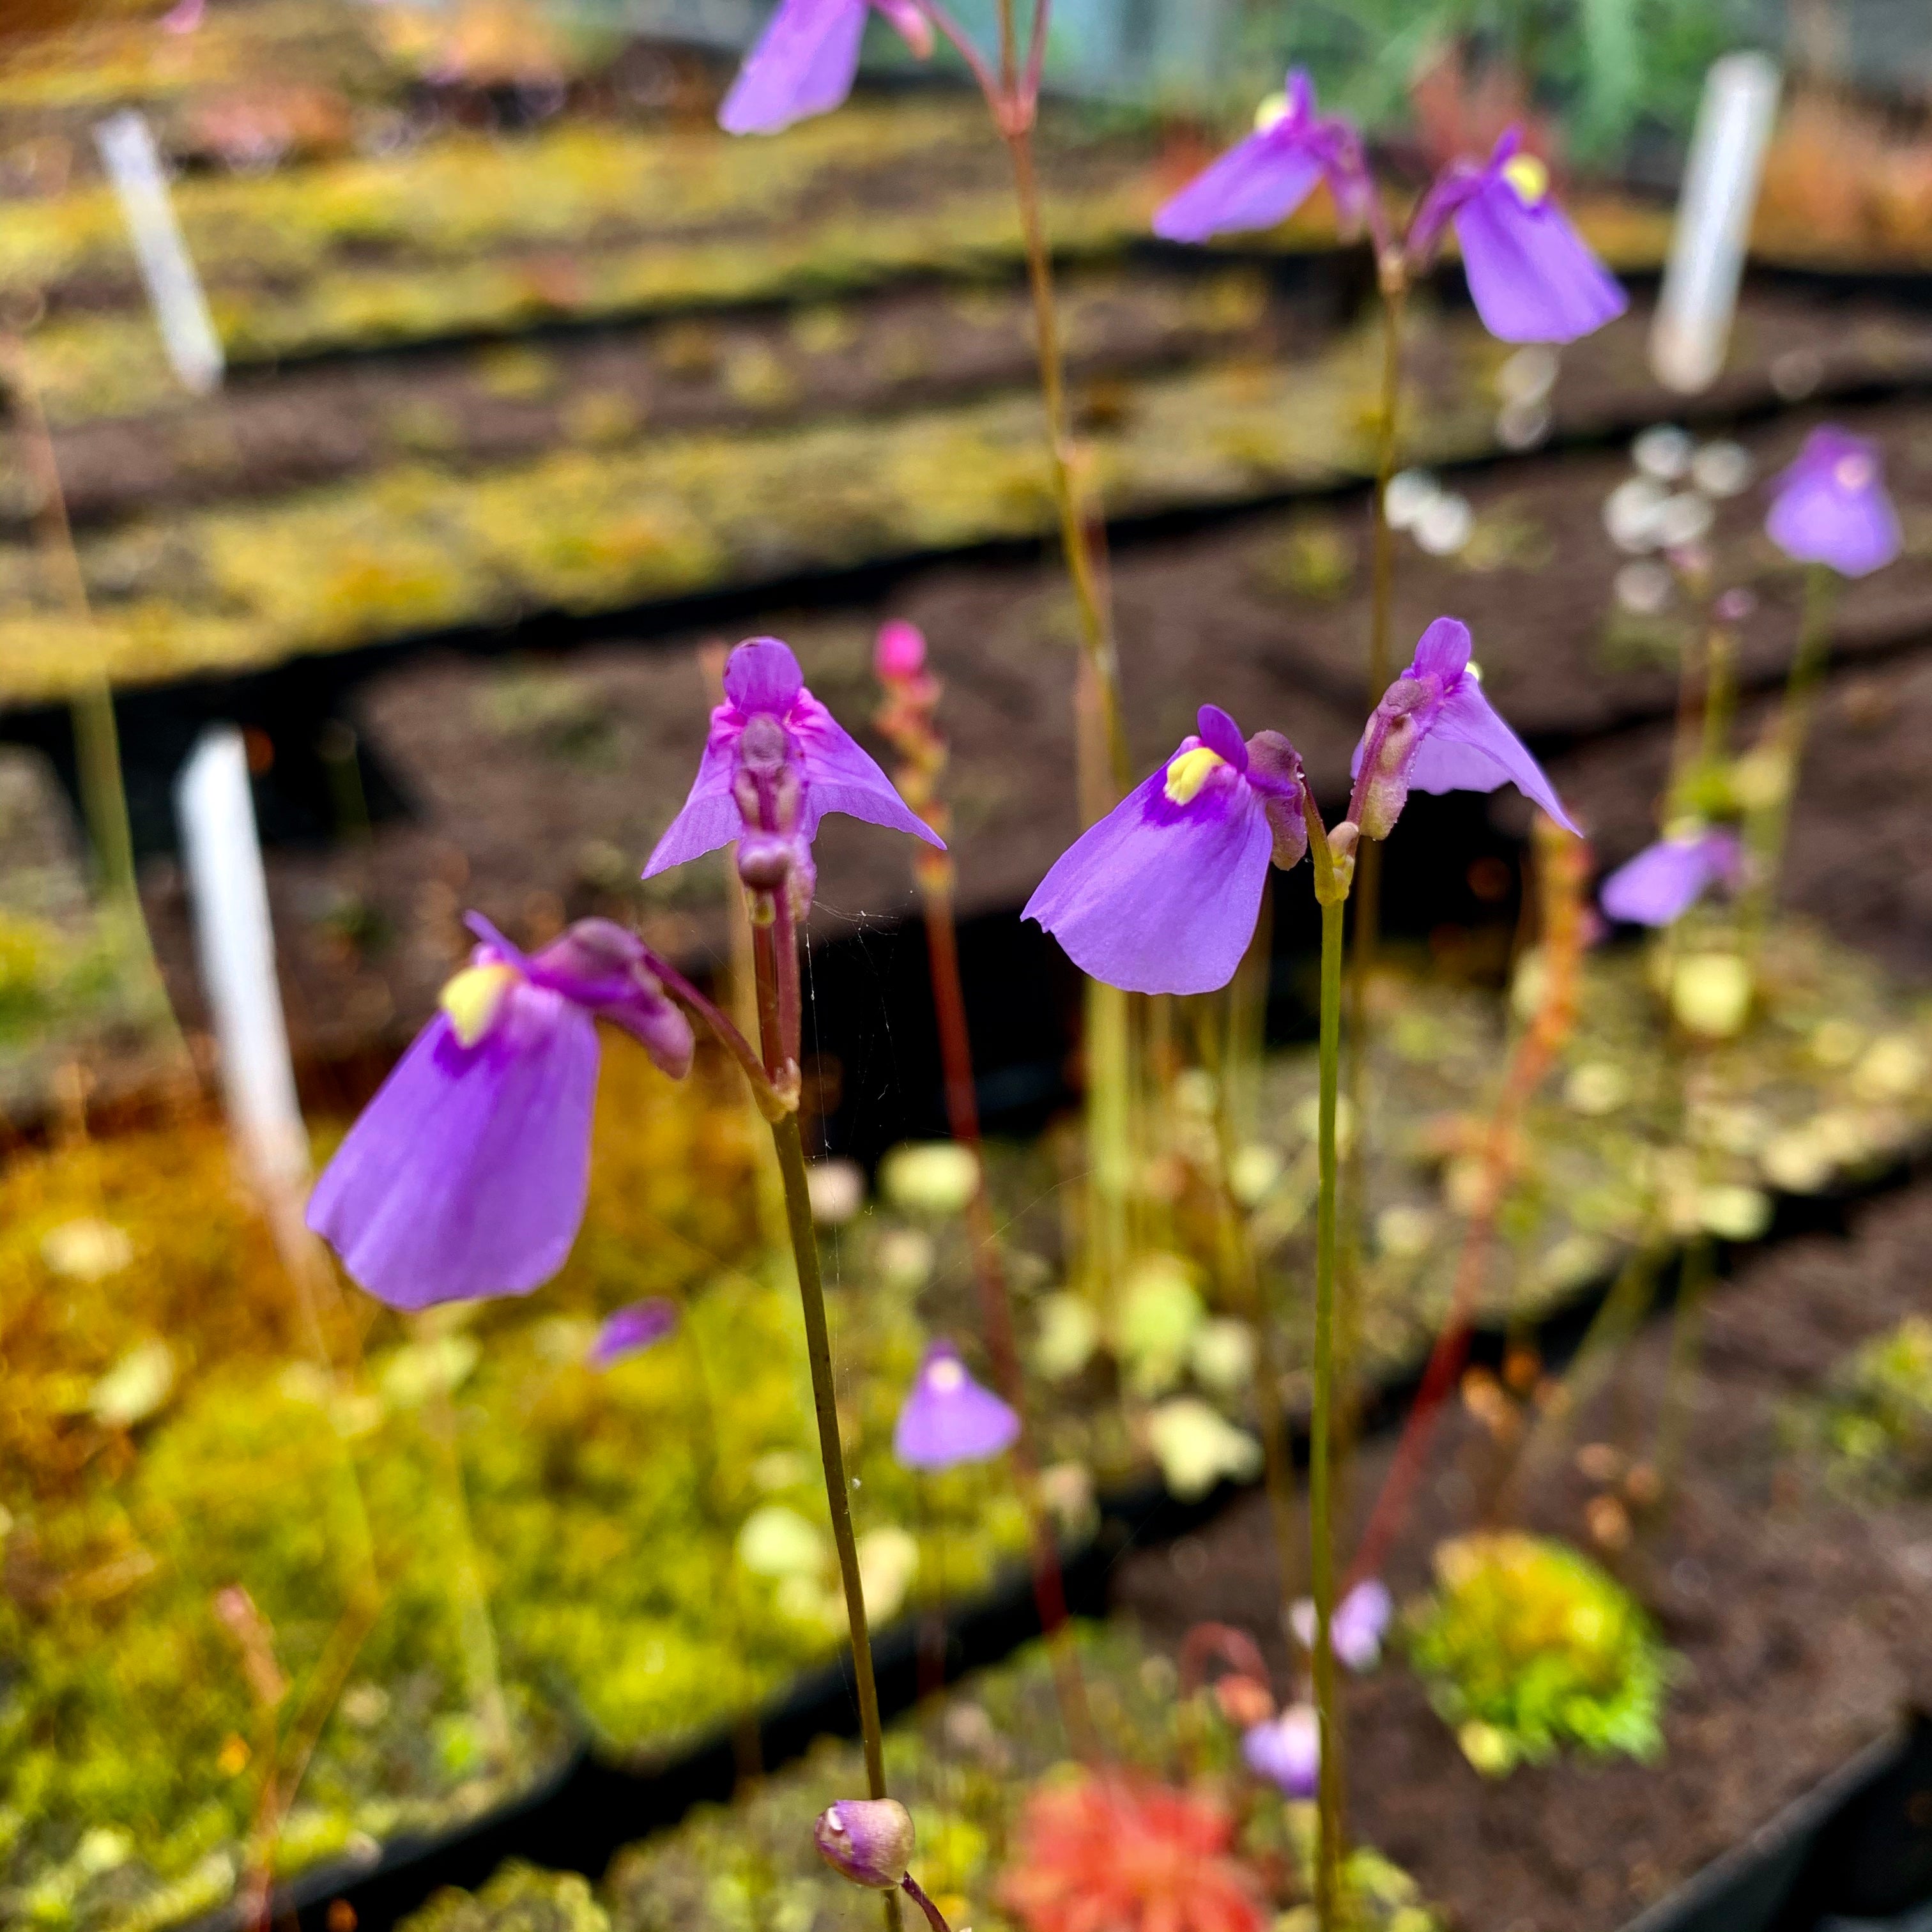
pixel 1800 1615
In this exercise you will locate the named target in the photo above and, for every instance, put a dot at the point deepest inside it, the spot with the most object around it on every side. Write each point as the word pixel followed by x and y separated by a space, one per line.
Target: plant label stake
pixel 235 941
pixel 1692 332
pixel 126 146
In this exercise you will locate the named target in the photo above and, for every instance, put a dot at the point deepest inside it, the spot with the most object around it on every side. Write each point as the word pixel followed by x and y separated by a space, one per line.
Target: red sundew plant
pixel 1111 1854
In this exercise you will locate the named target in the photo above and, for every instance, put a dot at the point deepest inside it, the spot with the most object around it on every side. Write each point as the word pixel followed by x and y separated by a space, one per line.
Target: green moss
pixel 1878 1415
pixel 1528 1648
pixel 519 1897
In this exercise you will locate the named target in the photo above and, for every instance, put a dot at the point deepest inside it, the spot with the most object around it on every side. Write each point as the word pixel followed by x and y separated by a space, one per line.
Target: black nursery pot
pixel 1857 1848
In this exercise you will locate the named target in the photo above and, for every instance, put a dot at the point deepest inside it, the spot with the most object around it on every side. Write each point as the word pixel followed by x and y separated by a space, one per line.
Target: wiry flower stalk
pixel 1564 864
pixel 908 722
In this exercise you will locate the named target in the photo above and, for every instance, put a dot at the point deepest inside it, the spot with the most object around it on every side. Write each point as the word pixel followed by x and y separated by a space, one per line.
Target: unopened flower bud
pixel 900 651
pixel 869 1841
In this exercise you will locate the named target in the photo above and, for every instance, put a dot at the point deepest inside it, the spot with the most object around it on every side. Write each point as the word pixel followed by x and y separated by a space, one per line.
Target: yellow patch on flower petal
pixel 1271 113
pixel 473 999
pixel 1187 772
pixel 1528 177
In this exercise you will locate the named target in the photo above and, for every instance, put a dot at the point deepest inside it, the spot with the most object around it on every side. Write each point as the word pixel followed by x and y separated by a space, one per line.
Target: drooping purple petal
pixel 466 1175
pixel 1287 1751
pixel 948 1418
pixel 1255 184
pixel 1532 277
pixel 630 1330
pixel 1160 897
pixel 803 63
pixel 841 775
pixel 709 818
pixel 1664 881
pixel 1832 506
pixel 1469 747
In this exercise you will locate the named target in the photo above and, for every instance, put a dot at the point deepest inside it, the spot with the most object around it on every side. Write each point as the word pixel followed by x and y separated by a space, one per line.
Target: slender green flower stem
pixel 97 742
pixel 1334 866
pixel 1770 828
pixel 778 958
pixel 1366 936
pixel 1686 1344
pixel 831 1454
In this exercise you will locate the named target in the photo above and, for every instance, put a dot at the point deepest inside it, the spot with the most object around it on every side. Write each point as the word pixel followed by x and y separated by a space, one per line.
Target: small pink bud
pixel 900 653
pixel 869 1841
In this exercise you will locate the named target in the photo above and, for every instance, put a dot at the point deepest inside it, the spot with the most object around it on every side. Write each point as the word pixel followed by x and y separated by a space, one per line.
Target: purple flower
pixel 1664 881
pixel 1161 895
pixel 1263 179
pixel 630 1330
pixel 1356 1630
pixel 1831 506
pixel 1434 729
pixel 1531 276
pixel 467 1174
pixel 775 762
pixel 807 58
pixel 1287 1751
pixel 948 1418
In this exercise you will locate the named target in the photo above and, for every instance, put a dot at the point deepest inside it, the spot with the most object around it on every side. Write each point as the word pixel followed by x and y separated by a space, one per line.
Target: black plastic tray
pixel 1858 1847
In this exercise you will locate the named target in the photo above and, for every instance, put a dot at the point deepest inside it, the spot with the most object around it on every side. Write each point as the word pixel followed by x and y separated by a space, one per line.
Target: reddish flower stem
pixel 996 1307
pixel 1566 865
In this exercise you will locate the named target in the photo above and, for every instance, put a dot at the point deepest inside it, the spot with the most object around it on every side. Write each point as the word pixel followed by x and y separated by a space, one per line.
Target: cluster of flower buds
pixel 907 721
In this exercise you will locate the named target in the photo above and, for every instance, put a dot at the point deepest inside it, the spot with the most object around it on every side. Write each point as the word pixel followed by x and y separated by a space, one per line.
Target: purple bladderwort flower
pixel 1665 880
pixel 869 1841
pixel 1264 179
pixel 1287 1751
pixel 948 1418
pixel 1356 1630
pixel 1161 895
pixel 805 61
pixel 776 761
pixel 630 1331
pixel 1832 506
pixel 467 1174
pixel 1532 277
pixel 1434 729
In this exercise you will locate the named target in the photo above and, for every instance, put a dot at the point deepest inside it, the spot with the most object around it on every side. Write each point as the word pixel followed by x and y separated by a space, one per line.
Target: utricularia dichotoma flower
pixel 1435 731
pixel 1356 1630
pixel 1831 505
pixel 1161 895
pixel 805 61
pixel 776 761
pixel 1264 179
pixel 467 1174
pixel 1286 1750
pixel 948 1418
pixel 1532 277
pixel 1665 880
